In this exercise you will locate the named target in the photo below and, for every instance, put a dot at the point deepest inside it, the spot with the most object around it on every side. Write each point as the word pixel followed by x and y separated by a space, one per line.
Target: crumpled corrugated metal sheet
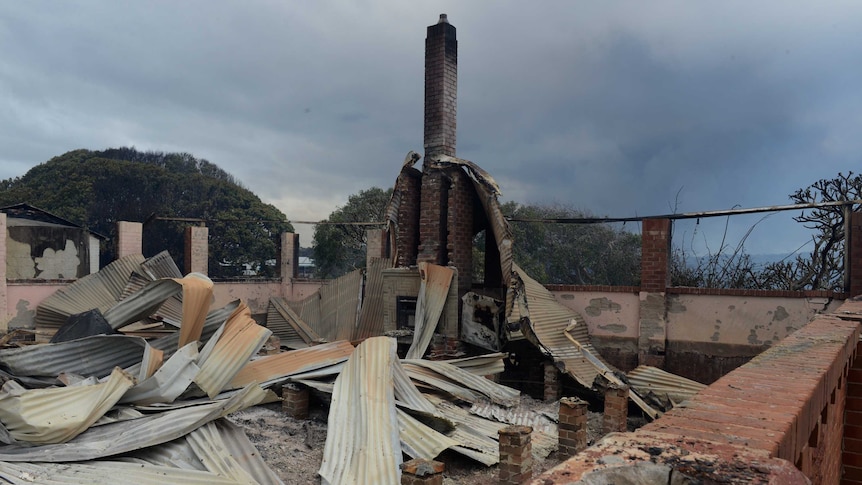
pixel 419 440
pixel 104 472
pixel 371 314
pixel 197 298
pixel 169 381
pixel 648 379
pixel 58 414
pixel 90 356
pixel 547 321
pixel 497 393
pixel 285 364
pixel 433 289
pixel 141 303
pixel 222 357
pixel 363 445
pixel 288 326
pixel 98 290
pixel 481 365
pixel 124 436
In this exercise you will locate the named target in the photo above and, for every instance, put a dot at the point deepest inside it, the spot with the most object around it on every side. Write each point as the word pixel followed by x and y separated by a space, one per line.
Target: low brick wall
pixel 777 419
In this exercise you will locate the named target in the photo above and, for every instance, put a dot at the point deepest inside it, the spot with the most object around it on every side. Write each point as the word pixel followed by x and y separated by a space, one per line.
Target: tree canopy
pixel 340 247
pixel 100 188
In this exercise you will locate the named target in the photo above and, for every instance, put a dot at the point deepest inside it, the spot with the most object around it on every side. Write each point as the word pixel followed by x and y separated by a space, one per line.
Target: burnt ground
pixel 294 448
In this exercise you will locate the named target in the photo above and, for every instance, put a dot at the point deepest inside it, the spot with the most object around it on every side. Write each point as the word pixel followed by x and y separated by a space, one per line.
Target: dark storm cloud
pixel 612 107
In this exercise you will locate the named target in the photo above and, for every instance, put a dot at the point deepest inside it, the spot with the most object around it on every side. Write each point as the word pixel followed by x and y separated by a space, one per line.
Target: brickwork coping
pixel 778 419
pixel 572 427
pixel 516 457
pixel 551 382
pixel 420 471
pixel 655 254
pixel 616 414
pixel 295 400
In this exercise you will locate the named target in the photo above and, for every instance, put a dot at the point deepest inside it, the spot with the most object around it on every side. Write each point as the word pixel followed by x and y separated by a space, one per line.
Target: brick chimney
pixel 441 88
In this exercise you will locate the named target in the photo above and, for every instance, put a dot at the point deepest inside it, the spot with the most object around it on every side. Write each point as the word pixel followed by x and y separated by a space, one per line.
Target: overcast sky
pixel 611 107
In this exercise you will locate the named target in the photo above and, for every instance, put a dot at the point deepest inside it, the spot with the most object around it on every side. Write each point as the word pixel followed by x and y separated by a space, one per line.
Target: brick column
pixel 408 188
pixel 441 88
pixel 855 256
pixel 433 213
pixel 516 456
pixel 130 238
pixel 655 272
pixel 375 245
pixel 295 400
pixel 615 418
pixel 420 471
pixel 288 262
pixel 551 381
pixel 197 249
pixel 572 428
pixel 4 303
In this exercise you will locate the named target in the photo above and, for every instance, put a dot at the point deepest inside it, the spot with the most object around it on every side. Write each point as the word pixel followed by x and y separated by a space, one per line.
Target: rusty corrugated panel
pixel 214 452
pixel 285 364
pixel 140 304
pixel 308 310
pixel 171 311
pixel 547 321
pixel 362 444
pixel 433 289
pixel 497 393
pixel 287 326
pixel 419 440
pixel 371 314
pixel 648 379
pixel 197 298
pixel 499 228
pixel 435 381
pixel 214 320
pixel 124 436
pixel 98 290
pixel 481 365
pixel 58 414
pixel 222 357
pixel 520 416
pixel 90 356
pixel 169 381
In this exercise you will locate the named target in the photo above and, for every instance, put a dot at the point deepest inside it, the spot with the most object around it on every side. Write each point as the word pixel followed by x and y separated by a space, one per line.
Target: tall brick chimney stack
pixel 441 88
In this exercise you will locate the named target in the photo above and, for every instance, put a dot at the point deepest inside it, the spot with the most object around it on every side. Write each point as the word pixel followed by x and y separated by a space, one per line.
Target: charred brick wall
pixel 433 218
pixel 460 228
pixel 409 188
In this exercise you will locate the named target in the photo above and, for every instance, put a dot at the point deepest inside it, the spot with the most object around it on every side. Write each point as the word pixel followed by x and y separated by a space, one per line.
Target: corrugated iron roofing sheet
pixel 652 379
pixel 371 314
pixel 288 326
pixel 362 444
pixel 433 289
pixel 58 414
pixel 221 359
pixel 89 356
pixel 497 393
pixel 105 472
pixel 547 322
pixel 284 364
pixel 98 290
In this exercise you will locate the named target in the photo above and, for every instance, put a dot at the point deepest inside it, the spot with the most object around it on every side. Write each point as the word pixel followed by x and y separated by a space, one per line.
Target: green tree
pixel 98 189
pixel 584 254
pixel 339 247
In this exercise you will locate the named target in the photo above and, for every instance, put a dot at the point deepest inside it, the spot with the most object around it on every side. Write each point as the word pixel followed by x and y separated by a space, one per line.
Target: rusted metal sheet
pixel 288 326
pixel 363 445
pixel 222 357
pixel 371 314
pixel 141 303
pixel 419 440
pixel 286 364
pixel 433 290
pixel 105 472
pixel 169 381
pixel 161 265
pixel 339 306
pixel 197 298
pixel 89 356
pixel 58 414
pixel 481 365
pixel 308 310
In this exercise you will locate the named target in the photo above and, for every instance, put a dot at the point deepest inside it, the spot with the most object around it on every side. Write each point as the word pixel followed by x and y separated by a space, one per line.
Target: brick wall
pixel 852 458
pixel 855 245
pixel 196 249
pixel 778 417
pixel 408 186
pixel 655 255
pixel 460 228
pixel 433 207
pixel 441 88
pixel 4 305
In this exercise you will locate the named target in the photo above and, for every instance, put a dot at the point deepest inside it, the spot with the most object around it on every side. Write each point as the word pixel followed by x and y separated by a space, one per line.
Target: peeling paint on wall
pixel 19 264
pixel 674 305
pixel 24 316
pixel 599 305
pixel 780 314
pixel 614 327
pixel 752 338
pixel 59 264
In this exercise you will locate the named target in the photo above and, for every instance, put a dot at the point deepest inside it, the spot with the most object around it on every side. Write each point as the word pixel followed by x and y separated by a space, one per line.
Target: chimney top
pixel 443 19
